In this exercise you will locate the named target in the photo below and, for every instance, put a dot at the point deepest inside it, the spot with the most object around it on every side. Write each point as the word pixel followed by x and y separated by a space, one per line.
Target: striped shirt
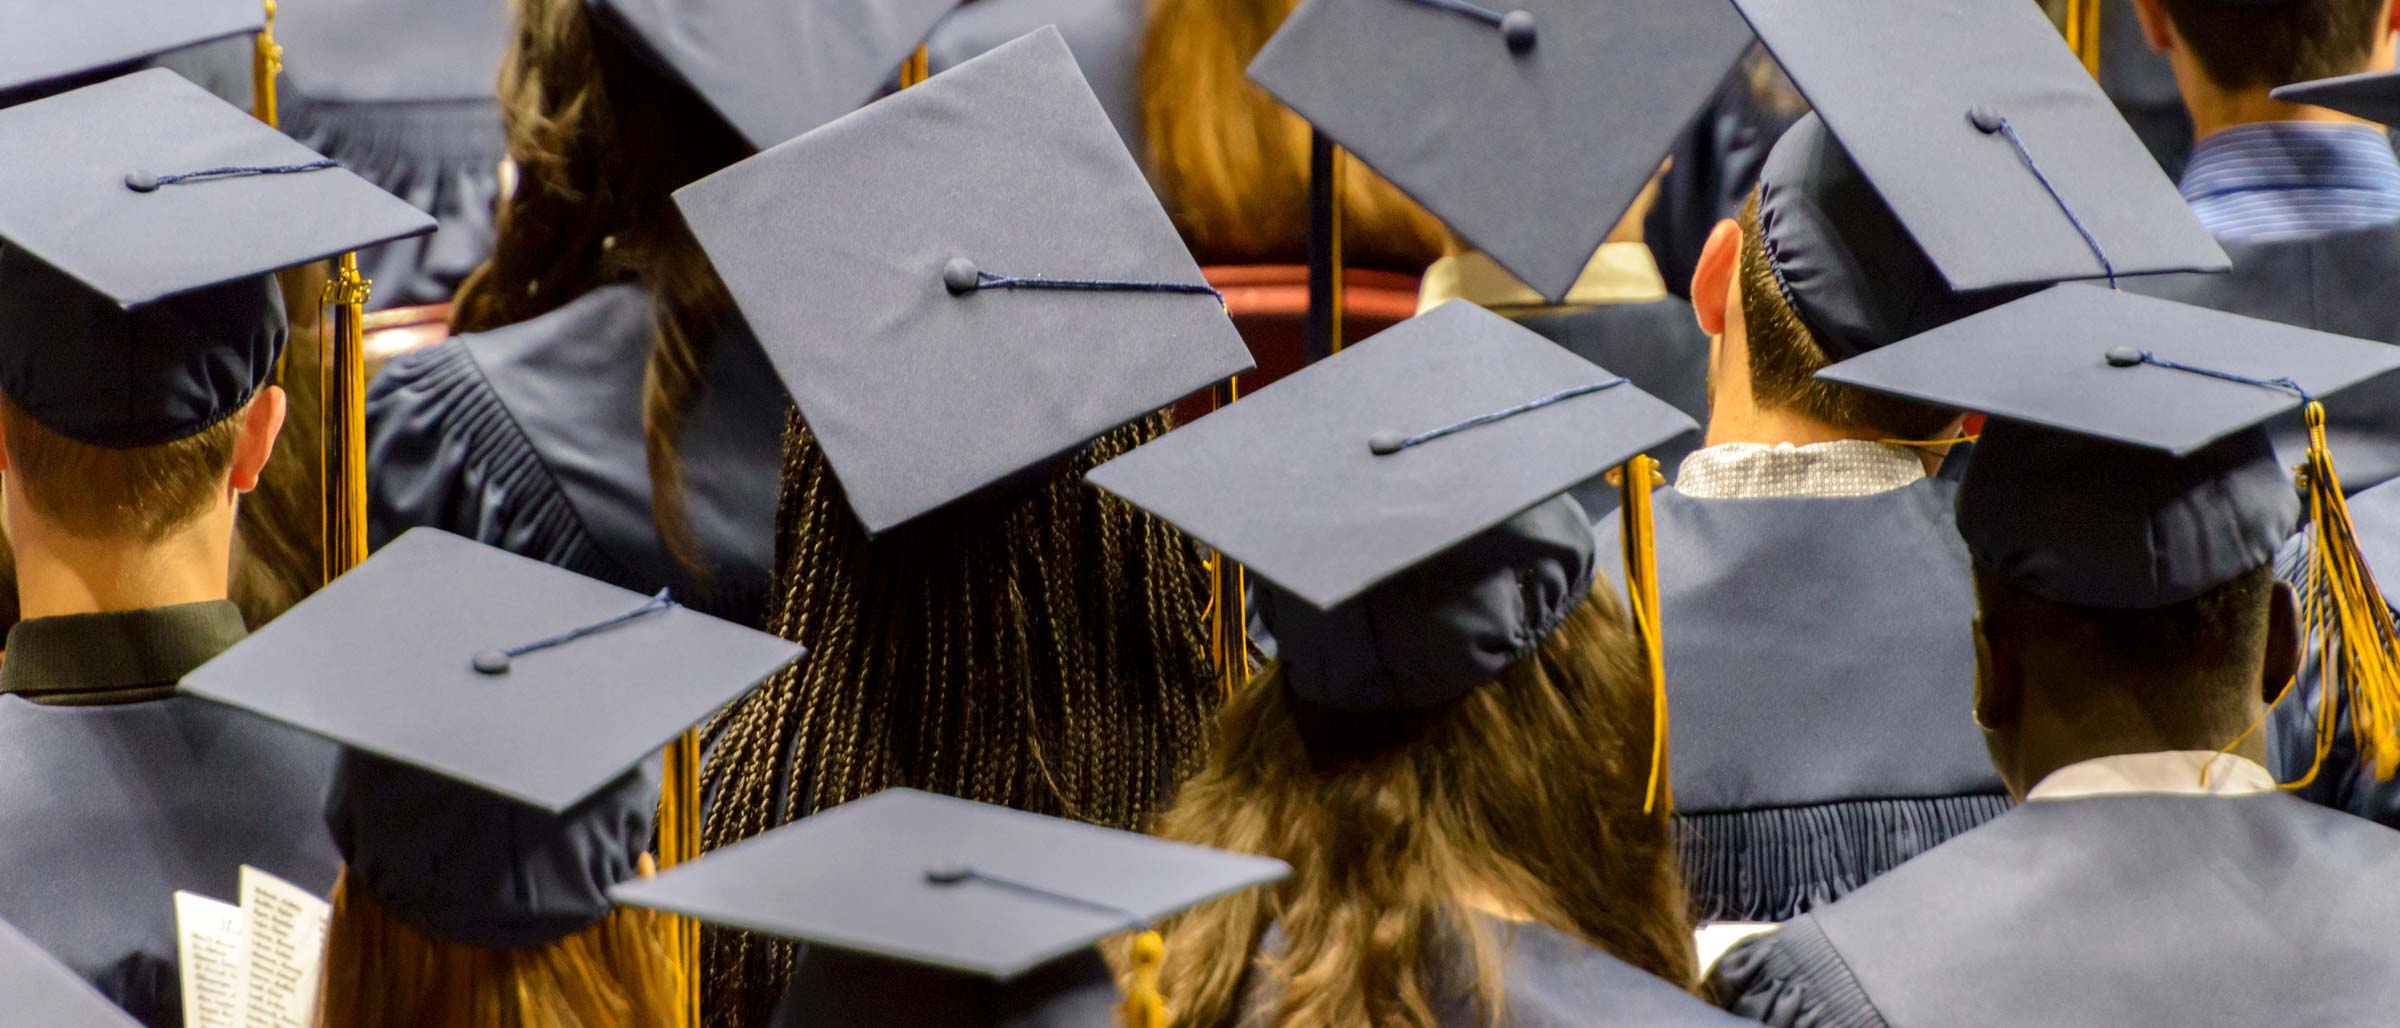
pixel 2278 179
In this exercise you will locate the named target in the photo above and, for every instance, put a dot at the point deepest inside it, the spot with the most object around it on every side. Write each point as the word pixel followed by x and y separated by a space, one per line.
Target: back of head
pixel 1527 794
pixel 1041 648
pixel 1232 164
pixel 2257 46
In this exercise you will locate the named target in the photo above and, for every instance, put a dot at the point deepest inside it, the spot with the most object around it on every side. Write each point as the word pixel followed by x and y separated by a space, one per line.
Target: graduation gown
pixel 2344 783
pixel 1656 345
pixel 117 792
pixel 835 989
pixel 1549 980
pixel 529 438
pixel 2119 911
pixel 1820 670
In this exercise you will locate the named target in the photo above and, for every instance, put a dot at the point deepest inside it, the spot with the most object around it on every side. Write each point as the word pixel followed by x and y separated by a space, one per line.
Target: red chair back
pixel 1269 304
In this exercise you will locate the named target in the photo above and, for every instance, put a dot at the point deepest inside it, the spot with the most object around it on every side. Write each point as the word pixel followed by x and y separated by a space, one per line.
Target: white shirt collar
pixel 1757 471
pixel 2174 772
pixel 1617 273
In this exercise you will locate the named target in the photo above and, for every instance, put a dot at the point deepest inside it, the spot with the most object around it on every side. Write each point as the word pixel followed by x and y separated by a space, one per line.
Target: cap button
pixel 1385 444
pixel 1984 119
pixel 492 662
pixel 961 276
pixel 1518 29
pixel 948 874
pixel 141 181
pixel 2124 357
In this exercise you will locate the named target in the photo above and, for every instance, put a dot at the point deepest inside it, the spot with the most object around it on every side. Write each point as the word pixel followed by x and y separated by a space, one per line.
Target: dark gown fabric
pixel 403 93
pixel 1820 670
pixel 1104 35
pixel 1657 345
pixel 529 438
pixel 2130 911
pixel 834 989
pixel 1716 163
pixel 1549 980
pixel 111 807
pixel 2345 782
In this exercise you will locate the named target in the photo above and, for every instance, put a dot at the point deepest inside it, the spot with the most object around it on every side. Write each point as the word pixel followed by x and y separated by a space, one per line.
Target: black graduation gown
pixel 2130 911
pixel 1820 673
pixel 1104 35
pixel 1657 345
pixel 113 802
pixel 529 438
pixel 1549 980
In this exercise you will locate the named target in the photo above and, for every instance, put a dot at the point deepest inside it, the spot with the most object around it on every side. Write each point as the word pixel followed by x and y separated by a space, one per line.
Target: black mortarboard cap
pixel 2125 466
pixel 1403 572
pixel 391 659
pixel 1930 98
pixel 391 51
pixel 2374 95
pixel 955 886
pixel 1527 126
pixel 777 68
pixel 136 304
pixel 47 41
pixel 892 264
pixel 40 990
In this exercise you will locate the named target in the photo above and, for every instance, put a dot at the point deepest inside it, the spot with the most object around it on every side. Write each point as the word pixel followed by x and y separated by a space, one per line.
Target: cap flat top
pixel 382 51
pixel 1531 156
pixel 834 245
pixel 40 990
pixel 1285 482
pixel 856 878
pixel 1896 80
pixel 48 40
pixel 2374 95
pixel 73 210
pixel 776 68
pixel 2043 360
pixel 382 660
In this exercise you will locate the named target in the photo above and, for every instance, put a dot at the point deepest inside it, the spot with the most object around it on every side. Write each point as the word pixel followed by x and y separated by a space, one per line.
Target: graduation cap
pixel 40 990
pixel 50 42
pixel 943 892
pixel 393 51
pixel 505 673
pixel 964 282
pixel 777 68
pixel 2126 466
pixel 1527 126
pixel 1987 139
pixel 2374 95
pixel 1414 540
pixel 137 304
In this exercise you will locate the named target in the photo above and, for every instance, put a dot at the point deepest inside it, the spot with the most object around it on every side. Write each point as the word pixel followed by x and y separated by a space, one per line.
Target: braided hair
pixel 1043 649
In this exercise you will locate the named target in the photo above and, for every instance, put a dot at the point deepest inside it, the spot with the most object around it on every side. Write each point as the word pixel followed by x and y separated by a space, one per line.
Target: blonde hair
pixel 621 972
pixel 1232 164
pixel 1528 791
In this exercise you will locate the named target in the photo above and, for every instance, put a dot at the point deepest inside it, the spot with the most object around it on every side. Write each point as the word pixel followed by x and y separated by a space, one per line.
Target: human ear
pixel 1712 279
pixel 262 421
pixel 2283 642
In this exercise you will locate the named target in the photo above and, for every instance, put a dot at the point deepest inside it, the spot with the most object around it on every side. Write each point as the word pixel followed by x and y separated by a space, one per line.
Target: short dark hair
pixel 2160 658
pixel 2240 46
pixel 1785 356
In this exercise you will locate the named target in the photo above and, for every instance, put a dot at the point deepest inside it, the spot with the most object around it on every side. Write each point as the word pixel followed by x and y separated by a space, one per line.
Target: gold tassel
pixel 1144 1006
pixel 266 62
pixel 1636 479
pixel 679 841
pixel 2358 650
pixel 343 413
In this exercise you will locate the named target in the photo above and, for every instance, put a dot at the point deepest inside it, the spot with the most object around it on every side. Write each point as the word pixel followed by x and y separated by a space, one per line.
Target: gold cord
pixel 1144 1006
pixel 1638 477
pixel 2341 607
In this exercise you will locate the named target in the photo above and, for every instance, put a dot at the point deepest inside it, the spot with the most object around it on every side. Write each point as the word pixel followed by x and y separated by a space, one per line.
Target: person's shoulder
pixel 1553 979
pixel 1792 977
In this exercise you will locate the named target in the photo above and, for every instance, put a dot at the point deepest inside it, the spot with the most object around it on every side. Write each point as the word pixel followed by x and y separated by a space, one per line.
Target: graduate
pixel 1815 595
pixel 495 781
pixel 973 298
pixel 1539 152
pixel 1457 747
pixel 604 408
pixel 2123 511
pixel 402 94
pixel 140 323
pixel 911 908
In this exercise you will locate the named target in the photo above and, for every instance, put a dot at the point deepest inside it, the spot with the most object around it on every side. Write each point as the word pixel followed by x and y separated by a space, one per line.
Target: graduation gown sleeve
pixel 1792 978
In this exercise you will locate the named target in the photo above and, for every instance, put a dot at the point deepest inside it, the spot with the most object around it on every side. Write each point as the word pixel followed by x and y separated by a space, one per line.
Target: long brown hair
pixel 1528 792
pixel 1041 649
pixel 602 139
pixel 1232 164
pixel 621 972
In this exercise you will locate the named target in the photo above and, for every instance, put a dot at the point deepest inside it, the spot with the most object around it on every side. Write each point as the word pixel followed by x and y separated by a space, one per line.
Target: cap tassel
pixel 2358 648
pixel 1636 479
pixel 1145 1007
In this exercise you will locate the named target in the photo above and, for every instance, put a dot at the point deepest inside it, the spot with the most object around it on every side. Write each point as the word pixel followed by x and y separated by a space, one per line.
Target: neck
pixel 2050 740
pixel 59 574
pixel 1747 424
pixel 2231 110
